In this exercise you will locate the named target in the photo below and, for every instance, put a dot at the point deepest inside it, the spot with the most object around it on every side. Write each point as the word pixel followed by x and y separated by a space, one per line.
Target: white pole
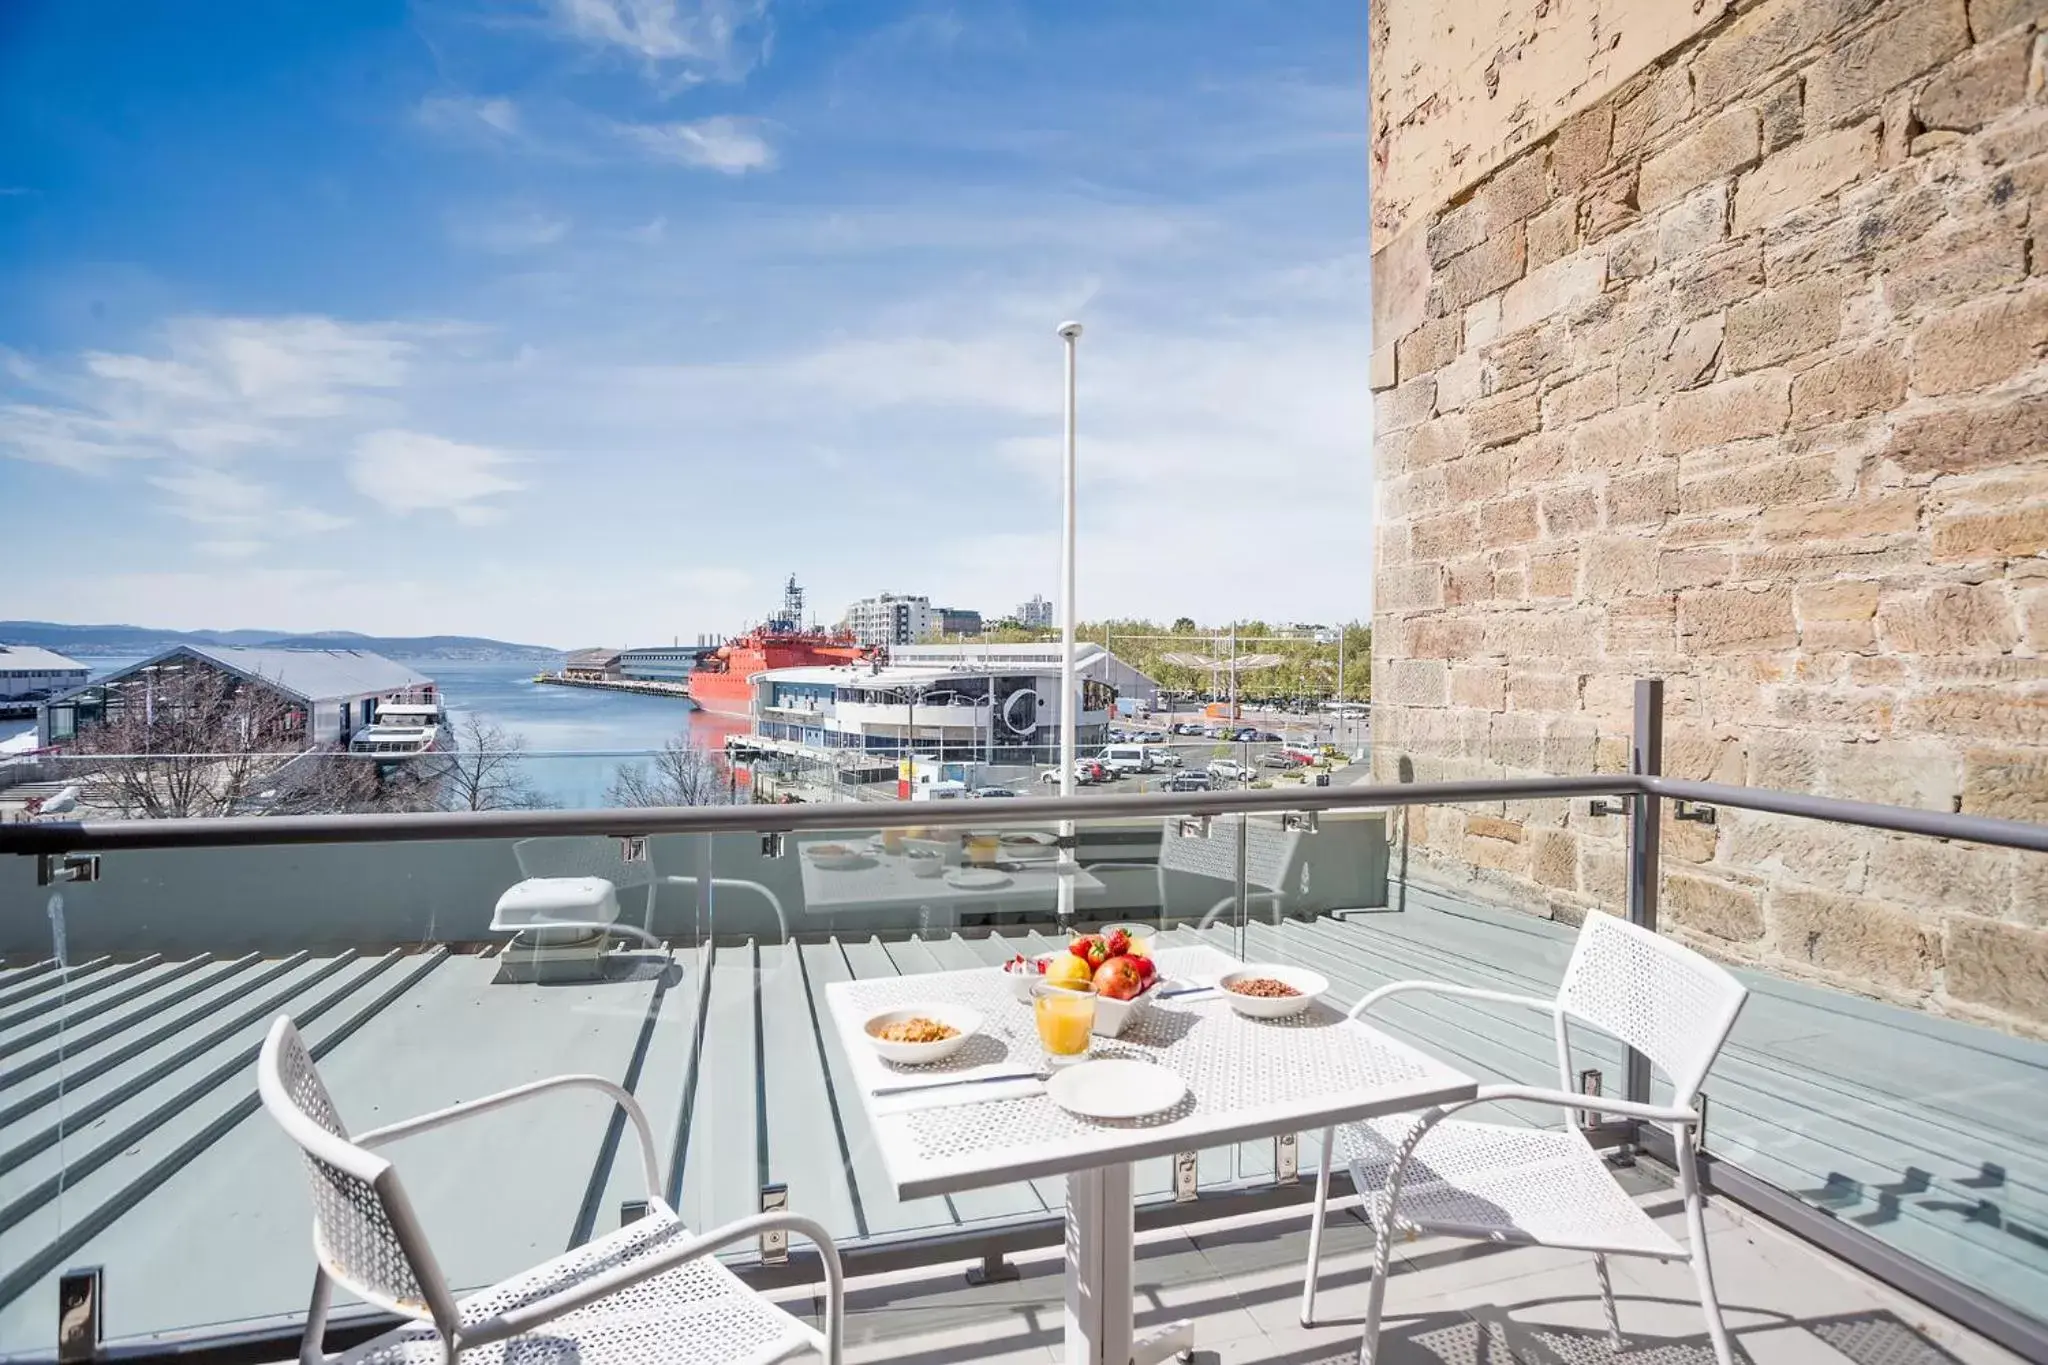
pixel 1070 332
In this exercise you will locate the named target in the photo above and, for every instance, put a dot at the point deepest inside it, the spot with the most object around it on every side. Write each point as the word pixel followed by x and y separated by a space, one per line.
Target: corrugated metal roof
pixel 312 674
pixel 34 656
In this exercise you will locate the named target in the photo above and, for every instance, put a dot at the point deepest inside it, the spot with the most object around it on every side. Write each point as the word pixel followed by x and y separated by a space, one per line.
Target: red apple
pixel 1118 979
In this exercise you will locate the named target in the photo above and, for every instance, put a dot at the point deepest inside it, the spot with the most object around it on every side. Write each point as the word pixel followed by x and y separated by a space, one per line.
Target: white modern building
pixel 891 619
pixel 1036 612
pixel 1091 661
pixel 29 671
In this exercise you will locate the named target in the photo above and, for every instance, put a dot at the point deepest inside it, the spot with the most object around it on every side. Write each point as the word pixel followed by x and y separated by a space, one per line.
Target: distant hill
pixel 88 641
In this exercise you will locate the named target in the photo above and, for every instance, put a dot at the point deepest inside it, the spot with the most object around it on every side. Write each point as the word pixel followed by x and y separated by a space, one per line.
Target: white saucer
pixel 1116 1088
pixel 976 878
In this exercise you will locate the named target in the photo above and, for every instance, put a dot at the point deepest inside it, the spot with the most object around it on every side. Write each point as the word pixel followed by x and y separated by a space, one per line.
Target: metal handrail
pixel 51 838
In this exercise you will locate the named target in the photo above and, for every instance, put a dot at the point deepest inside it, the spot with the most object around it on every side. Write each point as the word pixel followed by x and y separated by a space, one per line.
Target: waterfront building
pixel 659 663
pixel 326 694
pixel 593 665
pixel 891 619
pixel 27 671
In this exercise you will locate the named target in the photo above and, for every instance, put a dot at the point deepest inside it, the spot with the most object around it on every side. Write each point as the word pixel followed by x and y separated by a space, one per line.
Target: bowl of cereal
pixel 918 1035
pixel 1271 990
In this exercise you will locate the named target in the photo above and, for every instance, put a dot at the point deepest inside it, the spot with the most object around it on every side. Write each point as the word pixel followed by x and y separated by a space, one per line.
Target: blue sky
pixel 589 320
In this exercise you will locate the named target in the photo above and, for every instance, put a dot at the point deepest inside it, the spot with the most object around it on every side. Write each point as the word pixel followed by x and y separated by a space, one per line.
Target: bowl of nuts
pixel 1271 990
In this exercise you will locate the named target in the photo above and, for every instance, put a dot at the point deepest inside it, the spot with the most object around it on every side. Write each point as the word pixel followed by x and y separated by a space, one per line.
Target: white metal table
pixel 881 879
pixel 1246 1078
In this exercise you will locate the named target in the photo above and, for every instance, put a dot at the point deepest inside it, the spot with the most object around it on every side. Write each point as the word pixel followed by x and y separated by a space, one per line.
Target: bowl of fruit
pixel 1123 975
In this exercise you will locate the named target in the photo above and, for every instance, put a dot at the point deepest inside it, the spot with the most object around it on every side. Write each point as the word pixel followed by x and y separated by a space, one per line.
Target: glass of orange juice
pixel 1065 1013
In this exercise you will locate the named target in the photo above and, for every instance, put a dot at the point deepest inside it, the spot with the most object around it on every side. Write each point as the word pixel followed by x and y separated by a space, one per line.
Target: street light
pixel 1070 333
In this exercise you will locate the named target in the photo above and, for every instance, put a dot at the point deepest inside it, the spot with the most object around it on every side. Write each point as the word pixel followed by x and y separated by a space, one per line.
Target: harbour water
pixel 576 738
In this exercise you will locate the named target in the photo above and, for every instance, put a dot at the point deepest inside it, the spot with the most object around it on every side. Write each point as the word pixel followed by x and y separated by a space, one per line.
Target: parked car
pixel 1125 758
pixel 1151 737
pixel 1166 758
pixel 1195 781
pixel 1228 770
pixel 1284 758
pixel 1086 772
pixel 984 793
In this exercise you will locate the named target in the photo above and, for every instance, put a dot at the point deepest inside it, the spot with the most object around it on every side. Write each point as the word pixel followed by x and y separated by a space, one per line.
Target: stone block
pixel 1553 233
pixel 1775 848
pixel 1895 773
pixel 1604 876
pixel 1558 288
pixel 1515 191
pixel 1537 459
pixel 1712 906
pixel 1697 567
pixel 1492 265
pixel 1382 373
pixel 1436 442
pixel 1981 343
pixel 1508 521
pixel 1503 418
pixel 1619 566
pixel 1644 498
pixel 1400 287
pixel 1762 483
pixel 1754 405
pixel 1722 619
pixel 1526 357
pixel 1783 109
pixel 1455 231
pixel 1996 712
pixel 1782 323
pixel 1717 279
pixel 1577 399
pixel 1443 637
pixel 1961 440
pixel 1554 858
pixel 1785 762
pixel 1482 322
pixel 1479 685
pixel 1632 255
pixel 2009 783
pixel 1555 574
pixel 1940 876
pixel 1999 966
pixel 1640 625
pixel 1841 612
pixel 1468 582
pixel 1727 143
pixel 1413 682
pixel 2033 607
pixel 1992 535
pixel 1533 691
pixel 1989 18
pixel 1568 511
pixel 1694 225
pixel 1474 478
pixel 1657 109
pixel 1758 45
pixel 1804 173
pixel 1419 587
pixel 1443 537
pixel 1954 618
pixel 1678 358
pixel 1492 827
pixel 1461 382
pixel 1977 87
pixel 1954 267
pixel 1845 519
pixel 1863 940
pixel 1568 744
pixel 1616 441
pixel 1405 405
pixel 1850 77
pixel 1608 205
pixel 1428 347
pixel 1848 386
pixel 1579 151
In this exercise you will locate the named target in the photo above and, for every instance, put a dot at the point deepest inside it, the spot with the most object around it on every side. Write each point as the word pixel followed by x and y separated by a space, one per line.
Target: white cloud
pixel 510 234
pixel 469 115
pixel 701 39
pixel 231 549
pixel 409 471
pixel 730 146
pixel 244 509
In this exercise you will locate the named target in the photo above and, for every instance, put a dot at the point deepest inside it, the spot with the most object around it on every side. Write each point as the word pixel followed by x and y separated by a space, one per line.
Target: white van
pixel 1126 758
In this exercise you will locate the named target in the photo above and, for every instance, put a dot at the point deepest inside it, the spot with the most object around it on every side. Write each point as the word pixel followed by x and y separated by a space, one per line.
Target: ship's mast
pixel 792 605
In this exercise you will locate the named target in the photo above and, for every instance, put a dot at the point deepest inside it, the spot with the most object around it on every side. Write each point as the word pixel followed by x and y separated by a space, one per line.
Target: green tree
pixel 1183 625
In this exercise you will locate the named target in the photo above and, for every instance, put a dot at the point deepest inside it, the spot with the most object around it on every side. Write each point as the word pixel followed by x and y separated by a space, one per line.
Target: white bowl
pixel 835 857
pixel 925 862
pixel 1022 982
pixel 1310 984
pixel 966 1021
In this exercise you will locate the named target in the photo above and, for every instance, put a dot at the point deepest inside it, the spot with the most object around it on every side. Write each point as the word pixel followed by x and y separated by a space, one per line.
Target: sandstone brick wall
pixel 1736 379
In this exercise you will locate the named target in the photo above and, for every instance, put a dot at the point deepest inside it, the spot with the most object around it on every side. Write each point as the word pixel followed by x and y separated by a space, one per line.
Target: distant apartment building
pixel 957 621
pixel 891 619
pixel 27 671
pixel 1036 612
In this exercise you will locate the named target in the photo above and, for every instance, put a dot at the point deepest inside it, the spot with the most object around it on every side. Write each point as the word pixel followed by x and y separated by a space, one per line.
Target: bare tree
pixel 187 740
pixel 486 770
pixel 681 774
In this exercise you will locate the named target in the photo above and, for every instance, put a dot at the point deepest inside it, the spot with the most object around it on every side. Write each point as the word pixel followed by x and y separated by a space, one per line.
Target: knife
pixel 888 1090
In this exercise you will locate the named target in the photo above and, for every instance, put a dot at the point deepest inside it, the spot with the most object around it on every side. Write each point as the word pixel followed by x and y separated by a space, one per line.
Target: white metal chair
pixel 1540 1186
pixel 648 1292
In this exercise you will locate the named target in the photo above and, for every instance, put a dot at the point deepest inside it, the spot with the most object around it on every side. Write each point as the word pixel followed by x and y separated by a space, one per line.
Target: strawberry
pixel 1119 943
pixel 1090 949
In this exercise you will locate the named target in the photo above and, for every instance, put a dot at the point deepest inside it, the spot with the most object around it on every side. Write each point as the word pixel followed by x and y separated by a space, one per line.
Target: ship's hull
pixel 727 694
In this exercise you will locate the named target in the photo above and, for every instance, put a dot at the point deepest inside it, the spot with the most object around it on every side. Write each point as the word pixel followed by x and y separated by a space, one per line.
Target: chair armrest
pixel 529 1316
pixel 1598 1104
pixel 1393 988
pixel 468 1109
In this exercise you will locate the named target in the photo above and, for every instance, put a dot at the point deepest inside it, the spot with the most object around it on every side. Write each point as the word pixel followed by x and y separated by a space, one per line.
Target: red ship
pixel 723 682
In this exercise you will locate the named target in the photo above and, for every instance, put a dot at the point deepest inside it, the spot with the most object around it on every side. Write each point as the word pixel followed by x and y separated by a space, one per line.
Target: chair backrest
pixel 364 1231
pixel 1660 997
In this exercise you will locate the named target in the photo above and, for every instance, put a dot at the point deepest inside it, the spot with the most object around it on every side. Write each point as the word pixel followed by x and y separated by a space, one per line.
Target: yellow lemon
pixel 1068 970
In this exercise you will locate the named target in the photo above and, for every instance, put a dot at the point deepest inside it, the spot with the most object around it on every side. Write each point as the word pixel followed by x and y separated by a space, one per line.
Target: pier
pixel 680 691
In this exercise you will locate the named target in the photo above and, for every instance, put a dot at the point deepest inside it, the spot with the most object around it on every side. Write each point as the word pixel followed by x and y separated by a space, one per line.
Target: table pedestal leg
pixel 1101 1255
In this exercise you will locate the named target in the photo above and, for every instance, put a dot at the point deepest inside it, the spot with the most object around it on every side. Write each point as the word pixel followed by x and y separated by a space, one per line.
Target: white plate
pixel 977 878
pixel 1116 1088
